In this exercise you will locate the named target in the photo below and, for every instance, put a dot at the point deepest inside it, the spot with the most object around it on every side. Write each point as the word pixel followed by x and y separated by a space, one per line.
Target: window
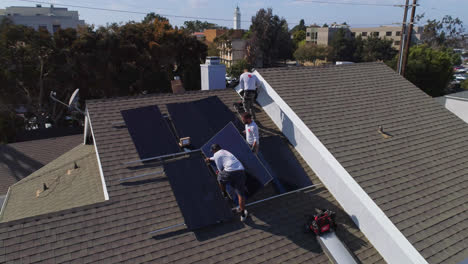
pixel 398 33
pixel 375 34
pixel 364 34
pixel 308 34
pixel 44 27
pixel 55 28
pixel 389 34
pixel 397 42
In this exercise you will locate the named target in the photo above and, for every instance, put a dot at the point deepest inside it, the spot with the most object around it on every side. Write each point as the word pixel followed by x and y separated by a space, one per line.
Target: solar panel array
pixel 195 187
pixel 150 132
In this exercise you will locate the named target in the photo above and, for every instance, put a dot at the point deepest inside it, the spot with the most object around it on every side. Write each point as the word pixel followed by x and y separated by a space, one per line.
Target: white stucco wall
pixel 371 220
pixel 456 105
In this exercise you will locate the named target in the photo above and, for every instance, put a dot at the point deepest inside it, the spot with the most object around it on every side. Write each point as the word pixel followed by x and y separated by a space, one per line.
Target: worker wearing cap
pixel 251 132
pixel 230 171
pixel 248 84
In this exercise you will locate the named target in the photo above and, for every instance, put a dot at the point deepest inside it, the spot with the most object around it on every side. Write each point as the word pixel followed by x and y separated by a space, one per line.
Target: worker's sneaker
pixel 244 215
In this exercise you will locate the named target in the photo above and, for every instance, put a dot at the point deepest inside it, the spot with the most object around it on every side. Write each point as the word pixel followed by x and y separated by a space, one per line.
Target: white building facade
pixel 49 18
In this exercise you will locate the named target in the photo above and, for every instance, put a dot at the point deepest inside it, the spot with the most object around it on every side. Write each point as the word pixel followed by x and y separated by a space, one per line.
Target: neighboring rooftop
pixel 70 181
pixel 418 177
pixel 18 160
pixel 117 230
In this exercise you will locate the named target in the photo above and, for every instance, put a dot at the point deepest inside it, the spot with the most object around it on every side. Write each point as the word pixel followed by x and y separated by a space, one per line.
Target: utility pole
pixel 408 39
pixel 402 38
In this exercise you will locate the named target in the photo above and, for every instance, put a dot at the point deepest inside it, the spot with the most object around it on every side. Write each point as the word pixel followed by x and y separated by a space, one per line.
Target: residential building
pixel 388 32
pixel 387 158
pixel 324 35
pixel 212 34
pixel 199 35
pixel 457 103
pixel 50 18
pixel 237 18
pixel 232 47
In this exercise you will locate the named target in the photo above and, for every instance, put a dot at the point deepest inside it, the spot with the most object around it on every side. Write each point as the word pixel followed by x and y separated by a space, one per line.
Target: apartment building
pixel 388 32
pixel 324 35
pixel 49 18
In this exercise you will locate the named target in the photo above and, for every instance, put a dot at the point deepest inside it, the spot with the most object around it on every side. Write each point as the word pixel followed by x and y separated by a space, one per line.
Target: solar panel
pixel 197 192
pixel 202 119
pixel 150 132
pixel 231 140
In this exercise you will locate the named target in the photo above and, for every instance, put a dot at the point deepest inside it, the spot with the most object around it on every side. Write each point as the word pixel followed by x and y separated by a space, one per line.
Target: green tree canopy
pixel 299 27
pixel 200 26
pixel 116 60
pixel 269 39
pixel 447 32
pixel 342 46
pixel 311 52
pixel 429 69
pixel 238 68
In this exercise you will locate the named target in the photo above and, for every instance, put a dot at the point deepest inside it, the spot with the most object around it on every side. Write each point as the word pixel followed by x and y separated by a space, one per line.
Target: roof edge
pixel 378 228
pixel 101 172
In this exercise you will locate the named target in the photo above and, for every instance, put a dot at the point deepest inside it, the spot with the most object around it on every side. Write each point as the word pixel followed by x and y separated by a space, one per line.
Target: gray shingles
pixel 116 231
pixel 414 176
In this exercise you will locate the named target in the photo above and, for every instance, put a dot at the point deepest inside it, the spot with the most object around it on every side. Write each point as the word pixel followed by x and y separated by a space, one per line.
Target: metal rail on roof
pixel 142 175
pixel 163 156
pixel 249 204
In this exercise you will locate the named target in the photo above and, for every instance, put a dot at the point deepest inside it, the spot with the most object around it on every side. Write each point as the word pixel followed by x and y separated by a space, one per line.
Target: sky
pixel 321 11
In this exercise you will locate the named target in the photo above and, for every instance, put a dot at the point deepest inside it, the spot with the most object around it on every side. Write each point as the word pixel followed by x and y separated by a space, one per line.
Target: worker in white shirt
pixel 248 84
pixel 230 171
pixel 251 132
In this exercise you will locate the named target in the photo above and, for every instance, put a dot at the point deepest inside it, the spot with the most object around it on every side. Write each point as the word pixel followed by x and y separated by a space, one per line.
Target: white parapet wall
pixel 455 104
pixel 371 220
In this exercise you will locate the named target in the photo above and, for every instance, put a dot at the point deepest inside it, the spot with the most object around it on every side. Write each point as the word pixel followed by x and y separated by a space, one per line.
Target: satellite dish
pixel 74 98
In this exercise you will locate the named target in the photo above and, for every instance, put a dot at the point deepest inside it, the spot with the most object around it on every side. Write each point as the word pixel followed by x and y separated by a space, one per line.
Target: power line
pixel 344 3
pixel 167 15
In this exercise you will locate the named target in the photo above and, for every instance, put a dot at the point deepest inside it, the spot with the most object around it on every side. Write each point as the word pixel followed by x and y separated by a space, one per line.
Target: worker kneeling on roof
pixel 230 171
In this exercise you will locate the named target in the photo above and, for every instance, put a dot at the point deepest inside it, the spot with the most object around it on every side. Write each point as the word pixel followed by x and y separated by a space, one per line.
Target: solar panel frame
pixel 201 119
pixel 231 140
pixel 197 192
pixel 150 132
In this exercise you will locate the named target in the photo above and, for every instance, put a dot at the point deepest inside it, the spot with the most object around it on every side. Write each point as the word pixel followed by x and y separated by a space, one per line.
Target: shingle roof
pixel 419 176
pixel 66 186
pixel 18 160
pixel 117 230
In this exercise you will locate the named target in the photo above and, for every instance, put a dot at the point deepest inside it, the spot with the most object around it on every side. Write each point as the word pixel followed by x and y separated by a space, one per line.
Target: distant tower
pixel 237 18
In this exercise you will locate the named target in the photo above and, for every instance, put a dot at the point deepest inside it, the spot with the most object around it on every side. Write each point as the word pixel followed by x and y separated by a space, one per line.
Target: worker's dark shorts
pixel 236 179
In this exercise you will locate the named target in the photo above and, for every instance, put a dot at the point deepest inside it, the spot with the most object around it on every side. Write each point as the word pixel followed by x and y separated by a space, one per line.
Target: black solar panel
pixel 201 120
pixel 231 140
pixel 150 132
pixel 197 192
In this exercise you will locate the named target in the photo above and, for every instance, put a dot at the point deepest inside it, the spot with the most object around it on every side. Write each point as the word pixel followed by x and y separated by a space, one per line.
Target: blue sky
pixel 292 10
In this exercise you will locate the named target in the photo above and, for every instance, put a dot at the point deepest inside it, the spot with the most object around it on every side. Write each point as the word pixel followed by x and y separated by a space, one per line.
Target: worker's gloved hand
pixel 207 160
pixel 217 172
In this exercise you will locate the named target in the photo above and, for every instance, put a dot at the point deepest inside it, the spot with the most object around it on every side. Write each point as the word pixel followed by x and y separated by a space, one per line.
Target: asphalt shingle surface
pixel 18 160
pixel 419 177
pixel 117 230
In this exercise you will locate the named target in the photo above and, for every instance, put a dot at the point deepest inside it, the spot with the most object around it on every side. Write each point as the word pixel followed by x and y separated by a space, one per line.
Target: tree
pixel 447 32
pixel 298 36
pixel 429 69
pixel 199 26
pixel 269 40
pixel 464 85
pixel 311 52
pixel 238 68
pixel 342 46
pixel 149 18
pixel 325 25
pixel 376 49
pixel 300 27
pixel 212 49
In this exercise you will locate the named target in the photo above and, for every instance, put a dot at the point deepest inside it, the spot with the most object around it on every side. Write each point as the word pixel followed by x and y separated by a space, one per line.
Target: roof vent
pixel 384 134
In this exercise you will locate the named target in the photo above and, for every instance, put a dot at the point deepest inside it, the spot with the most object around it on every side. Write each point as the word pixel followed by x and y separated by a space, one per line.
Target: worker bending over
pixel 251 132
pixel 230 171
pixel 248 84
